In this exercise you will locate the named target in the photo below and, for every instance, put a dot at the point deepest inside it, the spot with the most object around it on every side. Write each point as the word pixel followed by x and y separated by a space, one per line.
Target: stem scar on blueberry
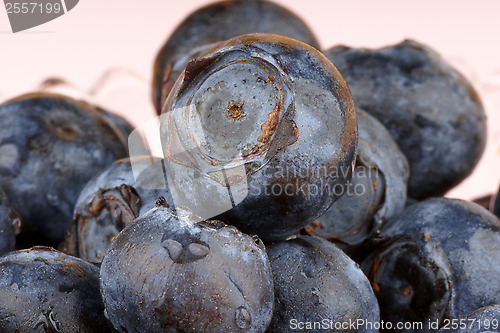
pixel 234 110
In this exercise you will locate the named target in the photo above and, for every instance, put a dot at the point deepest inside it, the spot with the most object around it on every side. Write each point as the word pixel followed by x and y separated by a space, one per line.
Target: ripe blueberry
pixel 171 274
pixel 50 147
pixel 313 281
pixel 267 122
pixel 432 112
pixel 439 259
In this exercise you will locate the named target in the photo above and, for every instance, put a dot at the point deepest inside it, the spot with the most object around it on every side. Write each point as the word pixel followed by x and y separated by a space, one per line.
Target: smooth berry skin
pixel 314 280
pixel 431 110
pixel 439 259
pixel 377 191
pixel 274 108
pixel 43 290
pixel 215 23
pixel 111 201
pixel 50 147
pixel 170 274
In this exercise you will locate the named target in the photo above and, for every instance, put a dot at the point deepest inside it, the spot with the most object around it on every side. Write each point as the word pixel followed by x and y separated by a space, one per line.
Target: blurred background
pixel 104 51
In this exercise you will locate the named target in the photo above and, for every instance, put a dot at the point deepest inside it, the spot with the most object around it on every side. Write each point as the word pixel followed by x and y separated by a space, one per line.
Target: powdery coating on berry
pixel 170 274
pixel 218 22
pixel 111 201
pixel 43 290
pixel 432 112
pixel 314 280
pixel 54 145
pixel 298 135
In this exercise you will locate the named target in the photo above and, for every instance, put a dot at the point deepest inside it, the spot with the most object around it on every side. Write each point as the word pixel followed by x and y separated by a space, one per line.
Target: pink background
pixel 125 35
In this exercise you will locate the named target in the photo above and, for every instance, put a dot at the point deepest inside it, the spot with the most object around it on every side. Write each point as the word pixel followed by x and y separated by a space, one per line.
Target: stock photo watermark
pixel 363 324
pixel 27 14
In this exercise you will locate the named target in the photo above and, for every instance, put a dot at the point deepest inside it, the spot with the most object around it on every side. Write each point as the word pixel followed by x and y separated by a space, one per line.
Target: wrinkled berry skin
pixel 269 119
pixel 170 274
pixel 50 147
pixel 376 193
pixel 432 112
pixel 314 280
pixel 437 260
pixel 483 320
pixel 112 201
pixel 218 22
pixel 43 290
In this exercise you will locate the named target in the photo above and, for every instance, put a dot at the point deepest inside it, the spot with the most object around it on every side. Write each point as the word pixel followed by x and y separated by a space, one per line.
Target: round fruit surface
pixel 261 132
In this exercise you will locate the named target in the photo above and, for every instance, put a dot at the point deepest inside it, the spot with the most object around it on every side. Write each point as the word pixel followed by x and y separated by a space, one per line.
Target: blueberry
pixel 483 320
pixel 111 201
pixel 217 22
pixel 261 130
pixel 439 259
pixel 317 287
pixel 376 192
pixel 432 112
pixel 43 290
pixel 168 273
pixel 50 147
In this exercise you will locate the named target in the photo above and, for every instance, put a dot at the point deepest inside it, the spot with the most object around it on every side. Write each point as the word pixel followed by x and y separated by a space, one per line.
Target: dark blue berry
pixel 317 286
pixel 437 260
pixel 168 273
pixel 50 147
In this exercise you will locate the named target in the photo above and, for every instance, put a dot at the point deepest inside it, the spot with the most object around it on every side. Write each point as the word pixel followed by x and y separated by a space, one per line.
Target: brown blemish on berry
pixel 253 150
pixel 59 263
pixel 193 68
pixel 66 133
pixel 270 125
pixel 376 263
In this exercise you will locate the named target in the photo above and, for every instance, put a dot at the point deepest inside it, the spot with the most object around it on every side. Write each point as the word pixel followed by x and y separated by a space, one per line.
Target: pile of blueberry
pixel 300 190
